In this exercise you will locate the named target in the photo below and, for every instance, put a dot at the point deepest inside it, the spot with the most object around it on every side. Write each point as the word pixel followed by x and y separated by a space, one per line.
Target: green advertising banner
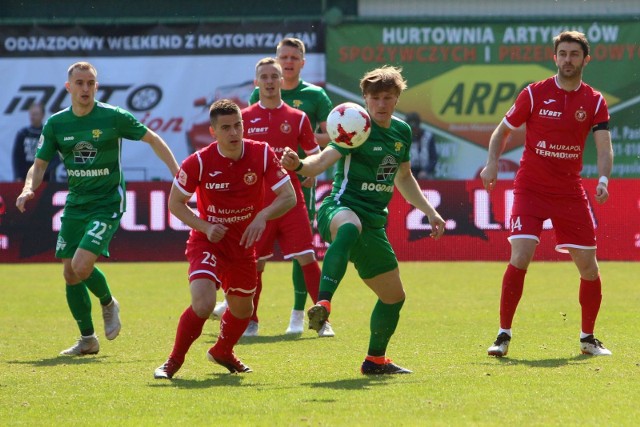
pixel 463 77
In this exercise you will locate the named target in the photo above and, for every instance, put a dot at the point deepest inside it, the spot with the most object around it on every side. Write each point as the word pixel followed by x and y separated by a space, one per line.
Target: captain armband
pixel 600 126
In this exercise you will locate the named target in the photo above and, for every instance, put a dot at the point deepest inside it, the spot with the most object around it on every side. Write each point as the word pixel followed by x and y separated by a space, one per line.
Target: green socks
pixel 80 306
pixel 299 287
pixel 384 320
pixel 97 284
pixel 336 260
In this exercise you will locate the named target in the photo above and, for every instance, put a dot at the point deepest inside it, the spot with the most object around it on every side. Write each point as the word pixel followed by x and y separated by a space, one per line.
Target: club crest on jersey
pixel 96 134
pixel 387 169
pixel 84 153
pixel 296 103
pixel 250 178
pixel 285 127
pixel 581 115
pixel 182 177
pixel 398 146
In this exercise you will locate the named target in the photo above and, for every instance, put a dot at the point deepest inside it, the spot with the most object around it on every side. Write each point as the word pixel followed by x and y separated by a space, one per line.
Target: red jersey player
pixel 281 126
pixel 559 112
pixel 229 178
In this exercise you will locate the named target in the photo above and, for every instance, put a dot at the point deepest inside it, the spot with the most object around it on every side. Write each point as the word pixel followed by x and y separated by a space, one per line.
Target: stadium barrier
pixel 477 224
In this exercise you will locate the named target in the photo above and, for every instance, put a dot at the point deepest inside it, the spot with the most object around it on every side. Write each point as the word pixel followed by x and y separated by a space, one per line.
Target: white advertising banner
pixel 166 80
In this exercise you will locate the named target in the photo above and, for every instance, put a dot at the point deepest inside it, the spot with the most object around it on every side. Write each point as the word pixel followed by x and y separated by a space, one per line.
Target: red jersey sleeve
pixel 306 137
pixel 190 174
pixel 274 174
pixel 520 110
pixel 602 111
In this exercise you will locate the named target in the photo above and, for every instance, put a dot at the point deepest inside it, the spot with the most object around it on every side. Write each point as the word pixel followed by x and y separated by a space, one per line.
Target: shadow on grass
pixel 544 363
pixel 364 383
pixel 61 360
pixel 274 339
pixel 218 380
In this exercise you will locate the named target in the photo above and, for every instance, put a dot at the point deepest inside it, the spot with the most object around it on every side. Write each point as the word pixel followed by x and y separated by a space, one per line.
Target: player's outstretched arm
pixel 162 150
pixel 34 178
pixel 410 190
pixel 313 165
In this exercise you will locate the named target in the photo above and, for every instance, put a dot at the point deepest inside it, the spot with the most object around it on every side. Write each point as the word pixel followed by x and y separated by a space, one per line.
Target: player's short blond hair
pixel 82 66
pixel 292 42
pixel 268 61
pixel 386 78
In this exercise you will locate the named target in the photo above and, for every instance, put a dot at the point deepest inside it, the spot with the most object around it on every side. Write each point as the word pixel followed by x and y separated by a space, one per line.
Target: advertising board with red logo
pixel 477 224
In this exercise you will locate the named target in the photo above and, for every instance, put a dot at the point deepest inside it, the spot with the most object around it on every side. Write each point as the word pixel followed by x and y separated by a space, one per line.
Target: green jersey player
pixel 313 100
pixel 88 137
pixel 352 218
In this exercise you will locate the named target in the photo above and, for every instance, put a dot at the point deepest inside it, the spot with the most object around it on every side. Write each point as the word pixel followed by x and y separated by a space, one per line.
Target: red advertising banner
pixel 477 227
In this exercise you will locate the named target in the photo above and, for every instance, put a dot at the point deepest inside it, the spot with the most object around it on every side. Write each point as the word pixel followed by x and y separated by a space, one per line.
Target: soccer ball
pixel 348 125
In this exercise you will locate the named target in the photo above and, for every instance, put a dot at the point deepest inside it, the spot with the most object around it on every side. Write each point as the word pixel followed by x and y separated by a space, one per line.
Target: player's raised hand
pixel 22 199
pixel 289 159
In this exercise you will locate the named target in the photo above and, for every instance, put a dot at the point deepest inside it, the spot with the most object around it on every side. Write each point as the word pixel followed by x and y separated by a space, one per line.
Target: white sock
pixel 583 335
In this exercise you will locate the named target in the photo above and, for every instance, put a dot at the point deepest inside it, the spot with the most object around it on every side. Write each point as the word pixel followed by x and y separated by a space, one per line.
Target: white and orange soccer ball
pixel 349 125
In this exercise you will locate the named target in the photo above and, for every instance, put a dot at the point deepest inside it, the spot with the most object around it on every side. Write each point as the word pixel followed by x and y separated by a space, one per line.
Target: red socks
pixel 189 329
pixel 311 274
pixel 231 329
pixel 512 285
pixel 590 299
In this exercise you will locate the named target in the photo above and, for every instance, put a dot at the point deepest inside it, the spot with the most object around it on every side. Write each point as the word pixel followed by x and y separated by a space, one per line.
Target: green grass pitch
pixel 449 319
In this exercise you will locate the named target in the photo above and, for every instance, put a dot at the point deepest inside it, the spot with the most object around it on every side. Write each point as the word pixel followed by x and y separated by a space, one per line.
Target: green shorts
pixel 93 233
pixel 372 254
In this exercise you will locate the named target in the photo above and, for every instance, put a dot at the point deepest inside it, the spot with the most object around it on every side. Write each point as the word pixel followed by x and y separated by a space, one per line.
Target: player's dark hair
pixel 571 36
pixel 386 78
pixel 222 107
pixel 292 42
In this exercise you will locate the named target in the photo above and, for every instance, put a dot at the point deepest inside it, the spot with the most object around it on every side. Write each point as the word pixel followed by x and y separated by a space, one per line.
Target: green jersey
pixel 91 148
pixel 364 176
pixel 311 99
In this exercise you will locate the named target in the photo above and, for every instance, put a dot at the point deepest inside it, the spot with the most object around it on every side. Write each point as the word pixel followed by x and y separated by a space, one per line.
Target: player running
pixel 88 135
pixel 229 177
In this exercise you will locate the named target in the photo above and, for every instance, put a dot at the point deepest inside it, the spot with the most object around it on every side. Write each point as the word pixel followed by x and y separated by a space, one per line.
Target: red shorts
pixel 206 261
pixel 572 219
pixel 291 230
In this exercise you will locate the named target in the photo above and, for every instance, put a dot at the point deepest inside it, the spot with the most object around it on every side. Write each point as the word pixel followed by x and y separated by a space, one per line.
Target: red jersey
pixel 230 192
pixel 558 123
pixel 281 127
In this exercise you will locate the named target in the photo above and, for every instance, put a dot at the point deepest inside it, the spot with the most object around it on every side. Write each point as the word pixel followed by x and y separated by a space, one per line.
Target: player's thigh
pixel 372 255
pixel 387 286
